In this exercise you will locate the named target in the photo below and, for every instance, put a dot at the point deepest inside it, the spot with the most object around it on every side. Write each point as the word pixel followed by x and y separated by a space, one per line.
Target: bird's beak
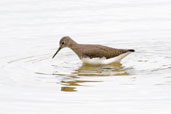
pixel 57 51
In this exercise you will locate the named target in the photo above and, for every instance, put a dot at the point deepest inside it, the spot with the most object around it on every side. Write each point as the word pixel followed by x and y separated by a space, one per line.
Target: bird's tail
pixel 131 50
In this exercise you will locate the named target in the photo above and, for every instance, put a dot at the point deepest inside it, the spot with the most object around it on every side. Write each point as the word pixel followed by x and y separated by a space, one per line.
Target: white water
pixel 32 83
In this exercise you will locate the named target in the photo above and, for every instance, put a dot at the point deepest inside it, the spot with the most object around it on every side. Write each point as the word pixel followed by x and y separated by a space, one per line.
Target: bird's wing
pixel 102 51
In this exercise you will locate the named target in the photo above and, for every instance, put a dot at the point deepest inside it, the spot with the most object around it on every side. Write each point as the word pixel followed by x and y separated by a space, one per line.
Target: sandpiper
pixel 94 54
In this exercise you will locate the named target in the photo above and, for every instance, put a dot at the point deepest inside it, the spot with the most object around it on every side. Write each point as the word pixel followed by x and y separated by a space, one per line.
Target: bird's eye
pixel 62 43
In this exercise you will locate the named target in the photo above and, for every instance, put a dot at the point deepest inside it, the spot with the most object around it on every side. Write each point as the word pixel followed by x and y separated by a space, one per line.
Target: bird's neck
pixel 72 44
pixel 75 47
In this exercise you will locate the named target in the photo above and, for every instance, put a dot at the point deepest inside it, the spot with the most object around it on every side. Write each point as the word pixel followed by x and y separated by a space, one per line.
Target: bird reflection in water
pixel 74 80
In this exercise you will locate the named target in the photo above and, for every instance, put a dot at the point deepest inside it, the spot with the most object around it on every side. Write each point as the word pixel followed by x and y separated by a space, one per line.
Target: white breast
pixel 104 60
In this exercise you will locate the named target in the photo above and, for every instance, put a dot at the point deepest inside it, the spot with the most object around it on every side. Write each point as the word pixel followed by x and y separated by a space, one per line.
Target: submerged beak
pixel 57 51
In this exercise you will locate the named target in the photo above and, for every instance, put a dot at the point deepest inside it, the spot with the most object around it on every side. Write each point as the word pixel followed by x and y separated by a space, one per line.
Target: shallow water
pixel 31 82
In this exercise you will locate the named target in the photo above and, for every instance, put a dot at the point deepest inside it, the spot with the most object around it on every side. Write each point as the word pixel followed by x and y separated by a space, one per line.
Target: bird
pixel 93 53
